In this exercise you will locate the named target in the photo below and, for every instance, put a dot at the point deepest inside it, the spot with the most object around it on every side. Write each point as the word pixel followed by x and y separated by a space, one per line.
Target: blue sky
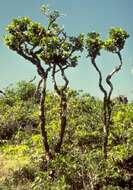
pixel 80 16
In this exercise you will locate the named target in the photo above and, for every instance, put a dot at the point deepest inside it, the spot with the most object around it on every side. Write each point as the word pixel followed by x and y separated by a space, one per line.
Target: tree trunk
pixel 43 121
pixel 63 121
pixel 107 116
pixel 105 141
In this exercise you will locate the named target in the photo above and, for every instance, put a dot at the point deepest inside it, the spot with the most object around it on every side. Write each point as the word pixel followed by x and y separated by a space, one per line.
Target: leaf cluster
pixel 114 44
pixel 116 41
pixel 23 31
pixel 49 43
pixel 93 44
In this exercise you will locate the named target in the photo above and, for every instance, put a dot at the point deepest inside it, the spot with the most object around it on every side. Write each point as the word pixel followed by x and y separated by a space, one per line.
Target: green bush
pixel 80 164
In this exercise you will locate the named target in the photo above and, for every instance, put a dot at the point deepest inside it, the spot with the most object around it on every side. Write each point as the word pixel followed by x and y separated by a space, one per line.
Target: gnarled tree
pixel 33 41
pixel 48 48
pixel 114 44
pixel 64 57
pixel 60 55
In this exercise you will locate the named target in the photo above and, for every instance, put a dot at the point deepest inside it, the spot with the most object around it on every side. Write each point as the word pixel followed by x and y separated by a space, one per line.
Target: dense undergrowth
pixel 81 164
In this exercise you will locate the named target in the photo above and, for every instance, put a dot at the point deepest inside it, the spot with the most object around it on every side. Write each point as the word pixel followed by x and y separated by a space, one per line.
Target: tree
pixel 114 44
pixel 64 58
pixel 48 48
pixel 62 55
pixel 31 40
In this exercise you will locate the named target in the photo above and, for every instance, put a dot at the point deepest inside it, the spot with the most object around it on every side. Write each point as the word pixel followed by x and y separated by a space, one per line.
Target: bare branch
pixel 33 59
pixel 64 68
pixel 54 80
pixel 108 78
pixel 32 79
pixel 64 78
pixel 40 82
pixel 100 78
pixel 38 87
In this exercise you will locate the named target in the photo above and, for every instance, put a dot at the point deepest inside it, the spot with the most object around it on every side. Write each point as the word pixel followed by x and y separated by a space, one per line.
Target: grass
pixel 9 164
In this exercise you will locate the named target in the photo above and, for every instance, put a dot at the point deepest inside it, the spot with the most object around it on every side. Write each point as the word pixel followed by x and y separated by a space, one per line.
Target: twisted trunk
pixel 105 128
pixel 43 120
pixel 63 121
pixel 63 106
pixel 105 111
pixel 107 106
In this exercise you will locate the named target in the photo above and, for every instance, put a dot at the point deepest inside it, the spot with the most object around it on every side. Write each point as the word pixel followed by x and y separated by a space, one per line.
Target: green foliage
pixel 25 90
pixel 80 163
pixel 56 51
pixel 116 41
pixel 49 43
pixel 23 30
pixel 93 44
pixel 19 109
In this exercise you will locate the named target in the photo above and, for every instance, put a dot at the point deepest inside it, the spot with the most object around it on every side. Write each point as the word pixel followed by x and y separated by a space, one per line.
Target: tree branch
pixel 100 78
pixel 54 80
pixel 64 68
pixel 32 79
pixel 108 78
pixel 37 94
pixel 51 22
pixel 64 78
pixel 33 59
